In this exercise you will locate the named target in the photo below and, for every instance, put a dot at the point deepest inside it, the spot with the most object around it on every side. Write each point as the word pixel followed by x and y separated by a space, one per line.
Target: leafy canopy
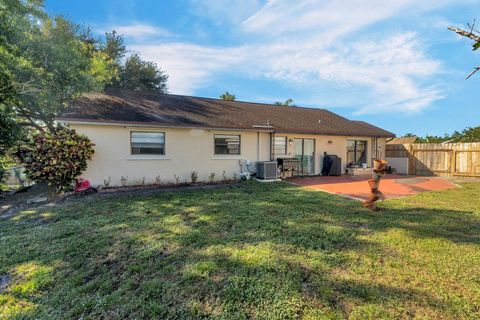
pixel 139 75
pixel 466 135
pixel 49 62
pixel 134 73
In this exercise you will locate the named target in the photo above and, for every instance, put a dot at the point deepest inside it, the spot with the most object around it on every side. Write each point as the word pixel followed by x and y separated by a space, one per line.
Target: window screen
pixel 227 144
pixel 280 145
pixel 148 142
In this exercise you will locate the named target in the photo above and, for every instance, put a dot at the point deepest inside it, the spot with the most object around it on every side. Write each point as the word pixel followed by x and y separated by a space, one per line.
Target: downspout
pixel 258 145
pixel 272 135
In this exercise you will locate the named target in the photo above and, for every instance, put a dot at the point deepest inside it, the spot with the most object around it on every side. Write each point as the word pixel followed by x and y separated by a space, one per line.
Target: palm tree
pixel 287 103
pixel 227 96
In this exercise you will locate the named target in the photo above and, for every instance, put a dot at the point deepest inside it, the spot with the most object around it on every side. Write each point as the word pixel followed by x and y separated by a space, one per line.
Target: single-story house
pixel 141 137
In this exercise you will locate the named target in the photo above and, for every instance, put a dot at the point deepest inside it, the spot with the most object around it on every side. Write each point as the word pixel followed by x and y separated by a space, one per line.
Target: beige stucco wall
pixel 186 150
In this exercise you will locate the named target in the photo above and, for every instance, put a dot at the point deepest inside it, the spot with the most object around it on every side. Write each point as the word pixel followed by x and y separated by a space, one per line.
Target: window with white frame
pixel 147 142
pixel 279 145
pixel 227 144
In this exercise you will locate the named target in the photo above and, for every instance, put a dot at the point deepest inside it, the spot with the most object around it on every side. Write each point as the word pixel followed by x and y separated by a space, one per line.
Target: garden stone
pixel 37 200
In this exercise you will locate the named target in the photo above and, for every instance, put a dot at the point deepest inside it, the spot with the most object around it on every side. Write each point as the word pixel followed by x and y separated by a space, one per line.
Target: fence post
pixel 411 162
pixel 453 160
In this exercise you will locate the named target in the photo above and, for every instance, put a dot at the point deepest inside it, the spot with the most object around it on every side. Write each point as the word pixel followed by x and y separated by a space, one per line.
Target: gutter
pixel 332 134
pixel 154 125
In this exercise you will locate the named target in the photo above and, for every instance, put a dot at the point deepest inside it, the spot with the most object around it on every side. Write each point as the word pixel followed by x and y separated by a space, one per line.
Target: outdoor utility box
pixel 266 170
pixel 332 165
pixel 336 168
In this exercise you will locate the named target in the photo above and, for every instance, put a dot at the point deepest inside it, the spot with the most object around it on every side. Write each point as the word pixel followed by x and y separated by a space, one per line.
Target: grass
pixel 262 251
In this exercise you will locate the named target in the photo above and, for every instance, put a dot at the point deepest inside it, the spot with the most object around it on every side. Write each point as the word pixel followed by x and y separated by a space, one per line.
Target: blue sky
pixel 392 63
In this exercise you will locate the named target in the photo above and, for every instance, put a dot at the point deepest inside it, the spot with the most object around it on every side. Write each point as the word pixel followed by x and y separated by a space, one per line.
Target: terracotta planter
pixel 379 164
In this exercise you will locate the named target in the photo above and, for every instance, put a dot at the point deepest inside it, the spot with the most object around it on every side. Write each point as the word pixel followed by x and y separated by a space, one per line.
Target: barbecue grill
pixel 288 167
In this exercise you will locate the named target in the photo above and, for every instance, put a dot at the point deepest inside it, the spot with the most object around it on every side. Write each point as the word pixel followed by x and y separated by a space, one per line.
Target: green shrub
pixel 57 158
pixel 194 177
pixel 211 177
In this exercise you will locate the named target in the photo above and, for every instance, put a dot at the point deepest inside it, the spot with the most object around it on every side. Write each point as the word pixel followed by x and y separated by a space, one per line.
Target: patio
pixel 392 186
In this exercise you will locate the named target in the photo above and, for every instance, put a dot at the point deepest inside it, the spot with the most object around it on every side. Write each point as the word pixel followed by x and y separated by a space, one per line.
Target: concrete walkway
pixel 392 186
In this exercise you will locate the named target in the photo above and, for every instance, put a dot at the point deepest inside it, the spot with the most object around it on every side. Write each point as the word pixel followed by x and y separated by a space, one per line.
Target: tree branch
pixel 471 35
pixel 473 72
pixel 465 33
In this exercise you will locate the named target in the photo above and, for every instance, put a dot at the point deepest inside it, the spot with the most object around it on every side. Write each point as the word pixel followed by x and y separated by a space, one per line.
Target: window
pixel 280 145
pixel 147 142
pixel 356 152
pixel 227 144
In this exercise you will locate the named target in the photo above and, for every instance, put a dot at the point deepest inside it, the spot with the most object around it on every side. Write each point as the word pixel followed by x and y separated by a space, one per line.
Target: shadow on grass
pixel 264 251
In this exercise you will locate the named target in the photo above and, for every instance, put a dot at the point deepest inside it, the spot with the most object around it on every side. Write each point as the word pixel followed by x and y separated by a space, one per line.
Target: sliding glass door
pixel 305 152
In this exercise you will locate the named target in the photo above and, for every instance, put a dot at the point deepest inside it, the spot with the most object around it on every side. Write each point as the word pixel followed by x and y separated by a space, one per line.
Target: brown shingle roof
pixel 402 140
pixel 184 111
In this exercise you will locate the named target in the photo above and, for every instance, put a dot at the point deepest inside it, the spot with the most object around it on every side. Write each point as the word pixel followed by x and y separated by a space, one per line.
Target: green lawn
pixel 262 251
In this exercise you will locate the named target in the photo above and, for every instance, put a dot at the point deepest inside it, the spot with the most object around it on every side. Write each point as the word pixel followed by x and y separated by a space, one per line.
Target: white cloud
pixel 331 18
pixel 390 70
pixel 189 66
pixel 225 11
pixel 310 43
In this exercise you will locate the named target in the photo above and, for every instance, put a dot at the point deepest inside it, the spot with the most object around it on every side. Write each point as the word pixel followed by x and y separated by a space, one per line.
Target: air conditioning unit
pixel 267 170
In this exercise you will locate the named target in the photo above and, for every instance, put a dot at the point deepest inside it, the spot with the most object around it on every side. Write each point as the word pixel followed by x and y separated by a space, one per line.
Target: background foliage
pixel 466 135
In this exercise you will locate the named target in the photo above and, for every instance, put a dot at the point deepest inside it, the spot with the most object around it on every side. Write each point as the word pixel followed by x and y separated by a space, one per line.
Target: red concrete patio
pixel 392 186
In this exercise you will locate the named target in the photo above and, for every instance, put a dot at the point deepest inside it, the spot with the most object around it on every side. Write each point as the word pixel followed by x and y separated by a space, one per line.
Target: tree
pixel 49 62
pixel 44 63
pixel 227 96
pixel 287 103
pixel 114 46
pixel 143 76
pixel 433 139
pixel 10 131
pixel 134 73
pixel 466 135
pixel 472 34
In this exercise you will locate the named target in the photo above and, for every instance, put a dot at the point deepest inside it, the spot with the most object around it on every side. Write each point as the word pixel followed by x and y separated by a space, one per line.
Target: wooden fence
pixel 449 159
